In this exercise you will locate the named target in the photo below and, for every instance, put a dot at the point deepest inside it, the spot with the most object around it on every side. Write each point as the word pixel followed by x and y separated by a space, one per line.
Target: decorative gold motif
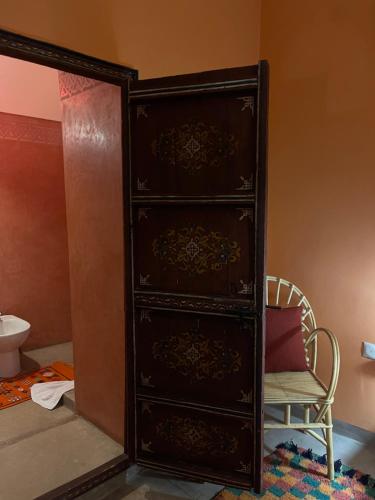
pixel 142 213
pixel 195 146
pixel 146 407
pixel 247 184
pixel 146 381
pixel 145 315
pixel 196 250
pixel 248 103
pixel 144 280
pixel 246 468
pixel 246 212
pixel 193 355
pixel 192 303
pixel 141 185
pixel 247 288
pixel 246 426
pixel 197 436
pixel 141 110
pixel 245 397
pixel 146 446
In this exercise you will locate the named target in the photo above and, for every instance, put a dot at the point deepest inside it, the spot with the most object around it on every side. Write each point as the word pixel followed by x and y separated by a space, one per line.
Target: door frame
pixel 60 58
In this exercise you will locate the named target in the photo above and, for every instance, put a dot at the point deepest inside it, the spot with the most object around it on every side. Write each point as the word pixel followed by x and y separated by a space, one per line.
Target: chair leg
pixel 287 415
pixel 329 438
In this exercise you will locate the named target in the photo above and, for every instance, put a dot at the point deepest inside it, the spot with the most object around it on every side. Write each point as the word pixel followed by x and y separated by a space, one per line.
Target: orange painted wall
pixel 321 175
pixel 34 271
pixel 321 148
pixel 163 37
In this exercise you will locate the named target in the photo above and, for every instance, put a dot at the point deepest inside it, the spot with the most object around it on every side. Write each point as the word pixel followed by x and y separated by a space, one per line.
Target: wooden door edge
pixel 88 481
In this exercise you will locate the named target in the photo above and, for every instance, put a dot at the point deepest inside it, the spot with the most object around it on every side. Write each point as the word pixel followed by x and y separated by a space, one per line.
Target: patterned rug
pixel 291 473
pixel 17 390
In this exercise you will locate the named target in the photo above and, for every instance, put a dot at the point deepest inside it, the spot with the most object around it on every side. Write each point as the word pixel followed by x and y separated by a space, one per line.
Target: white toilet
pixel 13 333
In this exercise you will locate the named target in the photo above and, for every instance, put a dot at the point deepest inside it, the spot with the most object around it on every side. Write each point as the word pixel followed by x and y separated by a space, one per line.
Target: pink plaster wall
pixel 29 89
pixel 34 271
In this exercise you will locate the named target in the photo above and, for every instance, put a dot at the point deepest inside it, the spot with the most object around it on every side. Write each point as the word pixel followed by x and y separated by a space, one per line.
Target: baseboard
pixel 339 426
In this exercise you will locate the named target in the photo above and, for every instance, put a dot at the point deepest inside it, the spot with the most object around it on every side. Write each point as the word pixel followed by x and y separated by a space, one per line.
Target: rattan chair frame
pixel 283 293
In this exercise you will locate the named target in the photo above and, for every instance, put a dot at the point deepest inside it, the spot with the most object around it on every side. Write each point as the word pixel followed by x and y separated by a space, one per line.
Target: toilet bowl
pixel 13 333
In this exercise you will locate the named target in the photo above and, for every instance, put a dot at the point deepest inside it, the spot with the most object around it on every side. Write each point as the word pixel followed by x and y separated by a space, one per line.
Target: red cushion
pixel 285 350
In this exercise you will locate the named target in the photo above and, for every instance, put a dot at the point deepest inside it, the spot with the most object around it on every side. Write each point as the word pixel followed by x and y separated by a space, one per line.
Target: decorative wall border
pixel 71 85
pixel 30 129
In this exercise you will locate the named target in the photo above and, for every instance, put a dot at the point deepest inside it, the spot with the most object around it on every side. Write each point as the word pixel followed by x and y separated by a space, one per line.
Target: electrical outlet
pixel 368 350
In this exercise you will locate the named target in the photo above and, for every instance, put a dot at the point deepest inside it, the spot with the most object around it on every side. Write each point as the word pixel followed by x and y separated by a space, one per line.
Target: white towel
pixel 48 394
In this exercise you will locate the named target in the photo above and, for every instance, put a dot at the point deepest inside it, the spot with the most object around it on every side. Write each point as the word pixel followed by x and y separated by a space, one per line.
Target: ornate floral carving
pixel 195 146
pixel 196 250
pixel 197 357
pixel 197 436
pixel 190 303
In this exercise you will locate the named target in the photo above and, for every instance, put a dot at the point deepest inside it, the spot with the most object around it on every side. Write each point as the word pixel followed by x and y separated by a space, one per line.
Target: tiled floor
pixel 142 484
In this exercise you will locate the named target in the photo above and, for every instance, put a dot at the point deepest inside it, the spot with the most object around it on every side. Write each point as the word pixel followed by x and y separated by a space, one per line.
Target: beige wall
pixel 321 175
pixel 162 37
pixel 29 89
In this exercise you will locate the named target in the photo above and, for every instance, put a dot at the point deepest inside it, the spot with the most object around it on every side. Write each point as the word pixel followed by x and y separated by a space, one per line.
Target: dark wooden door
pixel 198 180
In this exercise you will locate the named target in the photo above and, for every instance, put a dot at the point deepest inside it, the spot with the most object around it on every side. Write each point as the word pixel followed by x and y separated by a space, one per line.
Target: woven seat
pixel 293 387
pixel 303 388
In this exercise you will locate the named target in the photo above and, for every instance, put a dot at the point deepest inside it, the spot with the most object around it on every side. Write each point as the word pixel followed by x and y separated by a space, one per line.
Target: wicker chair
pixel 303 388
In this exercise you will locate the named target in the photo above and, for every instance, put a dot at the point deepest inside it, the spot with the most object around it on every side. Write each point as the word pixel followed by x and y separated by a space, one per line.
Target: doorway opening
pixel 62 271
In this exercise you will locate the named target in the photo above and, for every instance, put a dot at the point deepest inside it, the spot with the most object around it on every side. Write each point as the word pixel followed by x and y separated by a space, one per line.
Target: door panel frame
pixel 53 56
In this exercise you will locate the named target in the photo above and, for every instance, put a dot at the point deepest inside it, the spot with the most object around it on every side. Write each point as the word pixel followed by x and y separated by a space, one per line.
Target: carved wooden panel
pixel 195 145
pixel 198 202
pixel 206 250
pixel 196 357
pixel 187 436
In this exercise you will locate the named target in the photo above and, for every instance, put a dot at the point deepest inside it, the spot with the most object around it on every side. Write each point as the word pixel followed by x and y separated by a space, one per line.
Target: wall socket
pixel 368 350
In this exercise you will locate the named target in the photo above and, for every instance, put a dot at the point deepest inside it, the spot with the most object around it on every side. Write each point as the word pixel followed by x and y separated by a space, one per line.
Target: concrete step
pixel 43 461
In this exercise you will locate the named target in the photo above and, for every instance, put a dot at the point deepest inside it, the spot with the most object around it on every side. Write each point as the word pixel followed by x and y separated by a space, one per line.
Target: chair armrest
pixel 335 358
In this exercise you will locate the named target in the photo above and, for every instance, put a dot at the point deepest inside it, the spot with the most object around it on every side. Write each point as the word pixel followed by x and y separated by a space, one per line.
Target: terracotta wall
pixel 94 204
pixel 322 176
pixel 163 37
pixel 34 272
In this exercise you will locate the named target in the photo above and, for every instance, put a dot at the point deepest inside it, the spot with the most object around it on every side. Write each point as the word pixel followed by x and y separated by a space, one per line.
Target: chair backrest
pixel 283 293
